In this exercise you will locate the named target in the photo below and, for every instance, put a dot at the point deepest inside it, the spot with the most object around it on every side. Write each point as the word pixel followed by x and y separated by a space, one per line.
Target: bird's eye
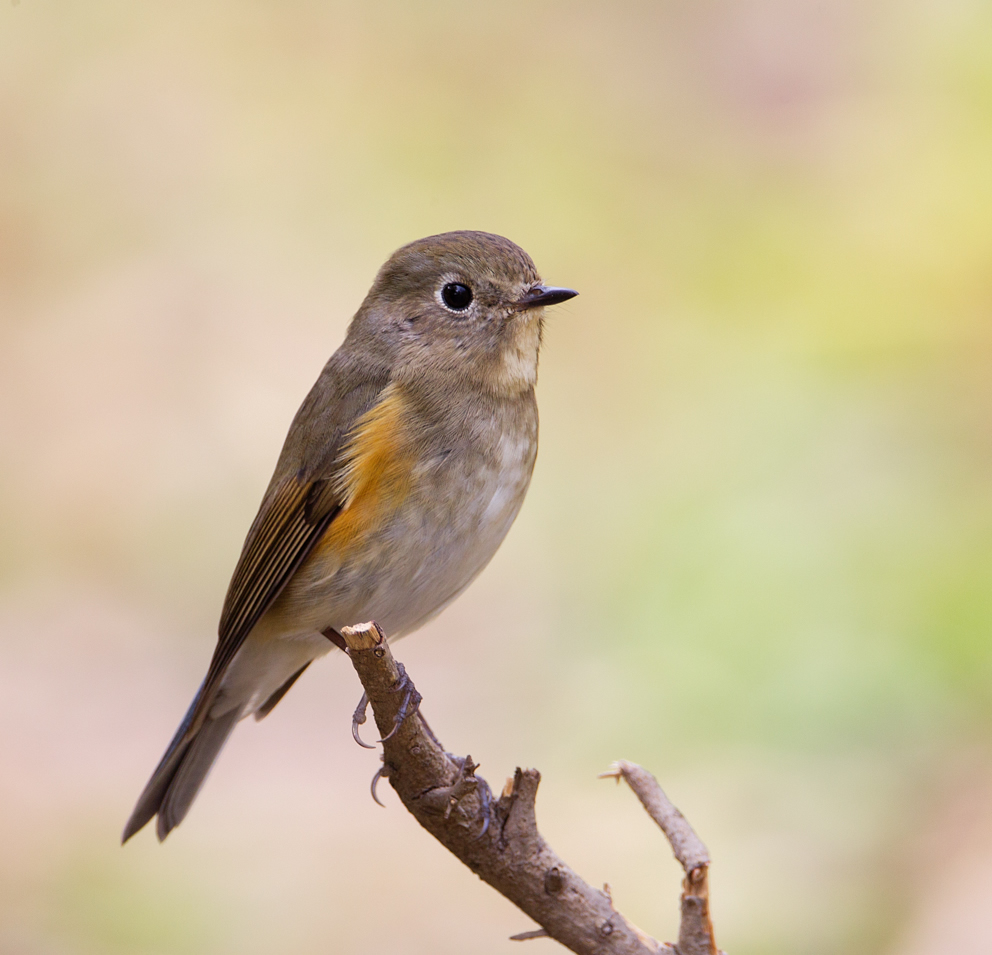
pixel 456 296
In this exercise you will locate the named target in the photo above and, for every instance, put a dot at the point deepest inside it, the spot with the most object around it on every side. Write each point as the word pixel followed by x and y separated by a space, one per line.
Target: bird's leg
pixel 335 638
pixel 358 718
pixel 410 704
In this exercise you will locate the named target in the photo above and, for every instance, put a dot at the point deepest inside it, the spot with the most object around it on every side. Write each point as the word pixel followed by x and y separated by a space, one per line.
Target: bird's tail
pixel 184 767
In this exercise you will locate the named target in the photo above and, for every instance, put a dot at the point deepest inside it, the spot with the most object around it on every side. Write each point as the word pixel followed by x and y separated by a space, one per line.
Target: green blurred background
pixel 756 556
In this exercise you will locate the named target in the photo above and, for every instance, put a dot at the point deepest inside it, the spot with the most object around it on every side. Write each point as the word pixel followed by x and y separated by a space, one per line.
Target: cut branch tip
pixel 363 636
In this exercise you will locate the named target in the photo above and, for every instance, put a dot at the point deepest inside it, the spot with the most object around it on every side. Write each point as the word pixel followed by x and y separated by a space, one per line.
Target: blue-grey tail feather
pixel 180 773
pixel 192 770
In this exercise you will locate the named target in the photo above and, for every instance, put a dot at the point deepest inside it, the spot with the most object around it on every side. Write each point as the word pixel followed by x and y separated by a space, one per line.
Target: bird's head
pixel 462 307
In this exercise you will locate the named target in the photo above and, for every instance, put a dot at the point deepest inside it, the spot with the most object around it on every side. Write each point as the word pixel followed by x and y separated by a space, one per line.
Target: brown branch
pixel 498 838
pixel 696 930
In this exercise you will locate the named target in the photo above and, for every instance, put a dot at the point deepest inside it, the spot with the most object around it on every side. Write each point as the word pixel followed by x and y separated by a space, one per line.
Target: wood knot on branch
pixel 554 881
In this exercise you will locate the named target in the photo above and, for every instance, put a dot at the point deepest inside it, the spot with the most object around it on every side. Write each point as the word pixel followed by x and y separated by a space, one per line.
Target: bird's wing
pixel 288 525
pixel 301 502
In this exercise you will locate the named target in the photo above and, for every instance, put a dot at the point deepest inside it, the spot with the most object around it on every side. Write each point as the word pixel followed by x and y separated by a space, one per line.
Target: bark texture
pixel 498 838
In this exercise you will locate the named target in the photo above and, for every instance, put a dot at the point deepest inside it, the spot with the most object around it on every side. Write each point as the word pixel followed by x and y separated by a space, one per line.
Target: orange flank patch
pixel 377 473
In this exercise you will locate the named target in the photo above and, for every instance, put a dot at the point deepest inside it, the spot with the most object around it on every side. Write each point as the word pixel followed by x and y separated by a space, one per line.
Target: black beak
pixel 543 295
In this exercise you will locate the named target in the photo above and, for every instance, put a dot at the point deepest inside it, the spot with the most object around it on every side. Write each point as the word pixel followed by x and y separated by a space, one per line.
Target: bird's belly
pixel 422 555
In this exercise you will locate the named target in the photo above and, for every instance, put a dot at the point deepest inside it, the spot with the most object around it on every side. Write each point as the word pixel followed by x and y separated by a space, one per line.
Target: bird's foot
pixel 409 706
pixel 467 782
pixel 357 719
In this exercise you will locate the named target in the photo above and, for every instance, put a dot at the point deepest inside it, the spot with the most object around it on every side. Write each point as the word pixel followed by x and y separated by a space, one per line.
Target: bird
pixel 399 478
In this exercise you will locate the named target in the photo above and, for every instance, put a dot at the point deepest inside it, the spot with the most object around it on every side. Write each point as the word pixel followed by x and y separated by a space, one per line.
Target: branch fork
pixel 499 840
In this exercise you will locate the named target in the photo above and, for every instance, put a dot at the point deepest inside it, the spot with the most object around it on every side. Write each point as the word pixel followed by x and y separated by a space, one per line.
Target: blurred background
pixel 757 553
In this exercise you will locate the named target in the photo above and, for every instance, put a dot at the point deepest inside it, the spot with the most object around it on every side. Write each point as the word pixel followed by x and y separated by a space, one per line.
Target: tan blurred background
pixel 756 556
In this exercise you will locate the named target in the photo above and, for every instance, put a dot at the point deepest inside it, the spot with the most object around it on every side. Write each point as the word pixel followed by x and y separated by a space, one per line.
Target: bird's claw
pixel 356 720
pixel 467 782
pixel 486 800
pixel 409 706
pixel 381 774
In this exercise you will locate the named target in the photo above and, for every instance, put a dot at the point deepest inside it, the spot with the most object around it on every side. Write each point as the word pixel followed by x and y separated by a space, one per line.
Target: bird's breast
pixel 424 509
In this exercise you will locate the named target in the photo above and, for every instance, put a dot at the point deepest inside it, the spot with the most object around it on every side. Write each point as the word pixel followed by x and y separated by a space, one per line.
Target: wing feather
pixel 297 509
pixel 274 560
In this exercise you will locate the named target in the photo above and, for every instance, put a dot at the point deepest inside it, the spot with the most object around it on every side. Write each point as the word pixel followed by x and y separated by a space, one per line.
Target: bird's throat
pixel 517 369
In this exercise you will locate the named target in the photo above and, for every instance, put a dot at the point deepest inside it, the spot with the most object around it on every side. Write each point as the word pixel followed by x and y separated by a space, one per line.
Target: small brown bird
pixel 400 476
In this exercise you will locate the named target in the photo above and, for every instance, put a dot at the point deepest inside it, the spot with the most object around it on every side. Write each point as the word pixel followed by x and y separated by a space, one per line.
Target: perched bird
pixel 400 476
